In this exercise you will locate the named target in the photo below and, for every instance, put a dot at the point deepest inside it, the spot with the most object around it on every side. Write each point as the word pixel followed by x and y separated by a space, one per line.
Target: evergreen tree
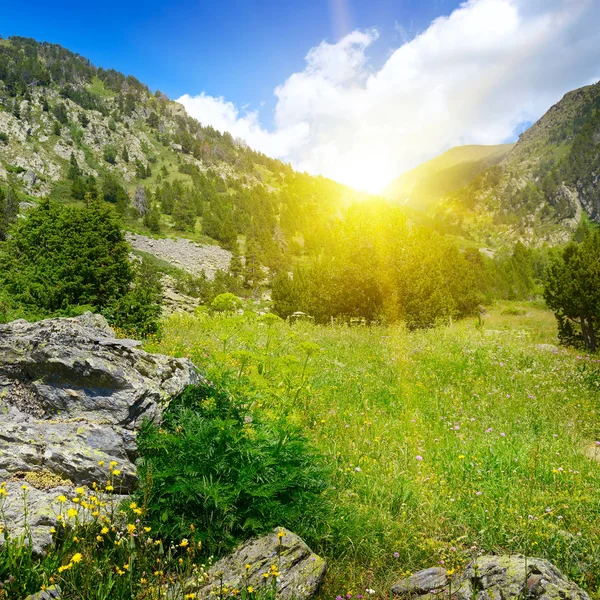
pixel 125 154
pixel 184 217
pixel 63 256
pixel 152 219
pixel 573 292
pixel 60 113
pixel 74 170
pixel 113 192
pixel 110 154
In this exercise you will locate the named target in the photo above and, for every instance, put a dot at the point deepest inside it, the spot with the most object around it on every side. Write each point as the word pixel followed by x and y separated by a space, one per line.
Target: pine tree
pixel 152 219
pixel 125 154
pixel 74 170
pixel 573 290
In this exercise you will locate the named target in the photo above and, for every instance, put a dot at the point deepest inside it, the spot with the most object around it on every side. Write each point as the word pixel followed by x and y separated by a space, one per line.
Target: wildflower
pixel 419 457
pixel 396 554
pixel 143 580
pixel 116 472
pixel 461 457
pixel 109 488
pixel 184 542
pixel 147 529
pixel 130 527
pixel 101 463
pixel 133 505
pixel 357 469
pixel 77 557
pixel 71 513
pixel 250 589
pixel 80 491
pixel 190 595
pixel 248 567
pixel 113 464
pixel 280 534
pixel 65 567
pixel 370 591
pixel 99 538
pixel 52 530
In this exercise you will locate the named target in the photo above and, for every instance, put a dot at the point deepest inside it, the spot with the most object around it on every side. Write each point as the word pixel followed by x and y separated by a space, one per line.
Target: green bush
pixel 110 154
pixel 227 302
pixel 212 463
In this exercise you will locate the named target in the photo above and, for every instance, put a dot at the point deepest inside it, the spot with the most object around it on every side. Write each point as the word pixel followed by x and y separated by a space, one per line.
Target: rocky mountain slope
pixel 542 186
pixel 70 130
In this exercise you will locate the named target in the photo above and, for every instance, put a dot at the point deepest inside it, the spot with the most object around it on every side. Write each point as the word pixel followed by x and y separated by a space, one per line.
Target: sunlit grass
pixel 446 442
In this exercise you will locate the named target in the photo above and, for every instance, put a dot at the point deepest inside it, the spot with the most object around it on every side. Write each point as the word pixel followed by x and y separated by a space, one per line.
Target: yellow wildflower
pixel 77 557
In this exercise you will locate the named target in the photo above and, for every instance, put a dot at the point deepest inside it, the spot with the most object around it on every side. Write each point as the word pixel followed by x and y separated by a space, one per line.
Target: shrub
pixel 212 463
pixel 227 302
pixel 3 137
pixel 110 154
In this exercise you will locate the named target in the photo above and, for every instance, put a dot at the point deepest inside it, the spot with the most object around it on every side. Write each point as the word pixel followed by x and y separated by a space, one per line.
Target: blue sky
pixel 357 90
pixel 237 49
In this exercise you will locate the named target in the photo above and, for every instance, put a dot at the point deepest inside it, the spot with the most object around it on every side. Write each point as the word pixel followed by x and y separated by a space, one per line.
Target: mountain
pixel 423 186
pixel 70 130
pixel 543 187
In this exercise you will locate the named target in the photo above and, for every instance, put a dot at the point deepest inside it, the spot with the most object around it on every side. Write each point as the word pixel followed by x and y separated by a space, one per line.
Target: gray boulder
pixel 421 583
pixel 72 396
pixel 300 570
pixel 50 593
pixel 490 577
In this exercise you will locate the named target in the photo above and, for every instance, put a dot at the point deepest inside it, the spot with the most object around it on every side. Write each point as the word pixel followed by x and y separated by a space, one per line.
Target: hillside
pixel 70 130
pixel 423 186
pixel 542 187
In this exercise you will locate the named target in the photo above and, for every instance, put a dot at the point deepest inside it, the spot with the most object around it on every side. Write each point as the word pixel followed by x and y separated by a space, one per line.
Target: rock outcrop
pixel 493 577
pixel 300 571
pixel 72 396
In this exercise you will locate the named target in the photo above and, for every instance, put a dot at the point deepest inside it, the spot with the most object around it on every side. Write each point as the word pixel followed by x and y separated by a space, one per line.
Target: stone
pixel 490 577
pixel 76 368
pixel 421 583
pixel 72 396
pixel 29 178
pixel 301 571
pixel 50 593
pixel 184 254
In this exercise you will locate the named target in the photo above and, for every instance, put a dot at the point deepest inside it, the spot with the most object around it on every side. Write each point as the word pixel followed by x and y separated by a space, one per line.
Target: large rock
pixel 72 395
pixel 490 577
pixel 300 570
pixel 421 583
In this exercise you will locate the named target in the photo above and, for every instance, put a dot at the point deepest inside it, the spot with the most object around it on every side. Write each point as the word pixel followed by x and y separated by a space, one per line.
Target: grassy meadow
pixel 444 443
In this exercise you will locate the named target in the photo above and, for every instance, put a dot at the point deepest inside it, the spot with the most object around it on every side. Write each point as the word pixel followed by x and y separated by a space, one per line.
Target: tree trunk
pixel 591 335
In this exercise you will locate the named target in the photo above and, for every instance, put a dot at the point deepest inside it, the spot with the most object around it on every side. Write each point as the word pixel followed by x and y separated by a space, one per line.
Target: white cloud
pixel 471 77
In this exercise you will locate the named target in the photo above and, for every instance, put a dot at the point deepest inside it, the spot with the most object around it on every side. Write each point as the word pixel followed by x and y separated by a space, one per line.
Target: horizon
pixel 348 97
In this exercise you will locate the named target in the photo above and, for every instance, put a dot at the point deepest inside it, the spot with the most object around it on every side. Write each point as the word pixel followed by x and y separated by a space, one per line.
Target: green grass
pixel 500 426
